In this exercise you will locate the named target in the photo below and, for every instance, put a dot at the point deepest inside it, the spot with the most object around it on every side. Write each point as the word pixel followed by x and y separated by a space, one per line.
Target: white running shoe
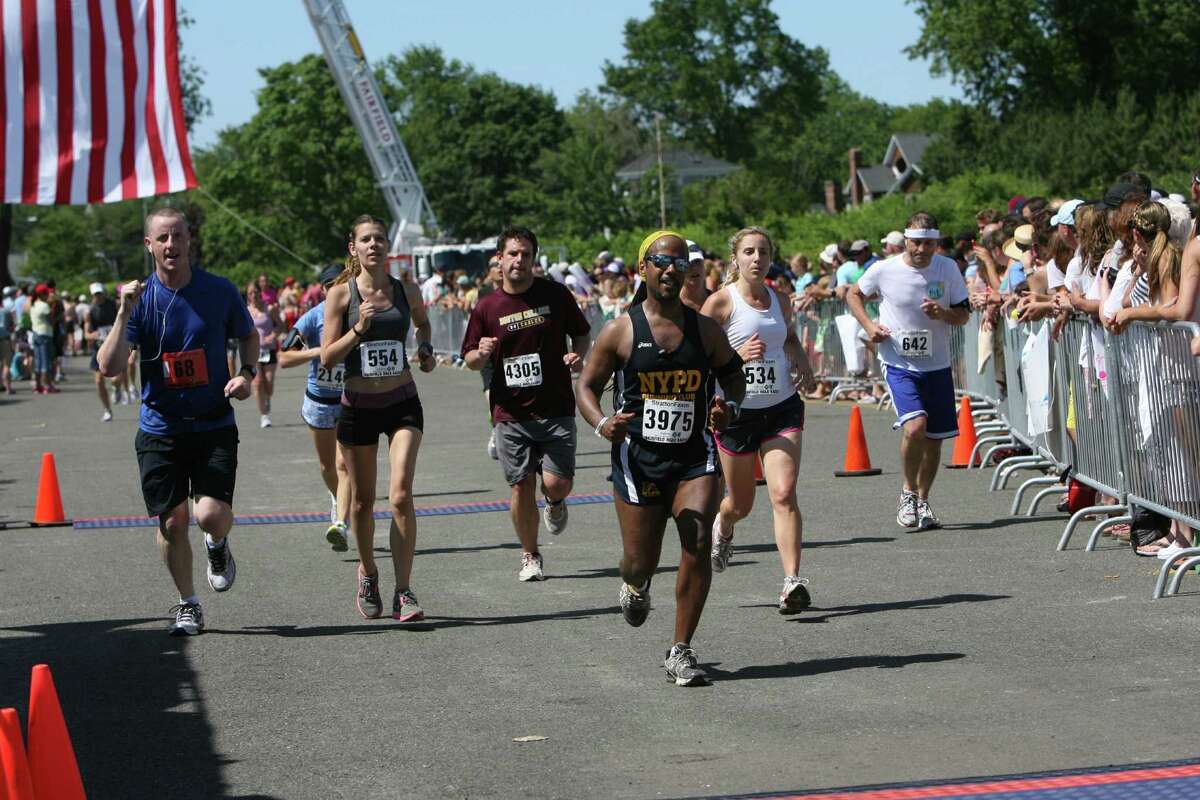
pixel 222 569
pixel 795 597
pixel 338 535
pixel 125 397
pixel 906 510
pixel 264 422
pixel 106 416
pixel 189 620
pixel 531 568
pixel 722 548
pixel 555 516
pixel 926 519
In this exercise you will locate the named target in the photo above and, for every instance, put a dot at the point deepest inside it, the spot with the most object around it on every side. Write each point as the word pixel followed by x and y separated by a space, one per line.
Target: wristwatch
pixel 252 370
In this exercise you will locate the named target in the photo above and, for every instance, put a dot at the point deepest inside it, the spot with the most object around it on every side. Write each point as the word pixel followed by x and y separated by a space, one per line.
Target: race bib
pixel 668 421
pixel 185 370
pixel 102 333
pixel 331 379
pixel 264 356
pixel 523 371
pixel 382 359
pixel 914 344
pixel 762 377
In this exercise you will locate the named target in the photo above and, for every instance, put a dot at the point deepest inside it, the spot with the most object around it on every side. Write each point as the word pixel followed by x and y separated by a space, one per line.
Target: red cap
pixel 289 281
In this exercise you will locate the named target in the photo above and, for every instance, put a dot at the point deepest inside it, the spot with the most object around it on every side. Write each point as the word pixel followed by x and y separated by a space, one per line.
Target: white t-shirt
pixel 902 289
pixel 1055 277
pixel 1078 279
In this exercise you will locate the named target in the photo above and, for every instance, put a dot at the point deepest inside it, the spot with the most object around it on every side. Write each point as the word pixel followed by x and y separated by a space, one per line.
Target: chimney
pixel 855 186
pixel 831 197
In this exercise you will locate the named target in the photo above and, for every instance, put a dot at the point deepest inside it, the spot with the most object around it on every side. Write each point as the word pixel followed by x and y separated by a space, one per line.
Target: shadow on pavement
pixel 429 625
pixel 1003 522
pixel 820 666
pixel 433 551
pixel 132 704
pixel 446 494
pixel 922 604
pixel 771 547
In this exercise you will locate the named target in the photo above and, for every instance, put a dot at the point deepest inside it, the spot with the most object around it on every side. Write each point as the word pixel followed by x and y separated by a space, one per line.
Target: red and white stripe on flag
pixel 92 102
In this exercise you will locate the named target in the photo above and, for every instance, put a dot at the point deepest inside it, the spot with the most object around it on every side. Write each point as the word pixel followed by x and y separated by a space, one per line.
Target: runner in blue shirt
pixel 186 444
pixel 322 408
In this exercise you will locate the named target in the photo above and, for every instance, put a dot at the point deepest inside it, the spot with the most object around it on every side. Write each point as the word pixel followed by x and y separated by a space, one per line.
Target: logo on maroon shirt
pixel 529 318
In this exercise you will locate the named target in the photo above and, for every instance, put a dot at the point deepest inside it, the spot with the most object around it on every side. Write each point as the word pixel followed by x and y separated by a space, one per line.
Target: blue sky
pixel 560 46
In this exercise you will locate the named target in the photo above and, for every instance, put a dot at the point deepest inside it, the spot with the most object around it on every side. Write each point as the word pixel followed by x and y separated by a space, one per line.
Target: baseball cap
pixel 329 274
pixel 9 291
pixel 96 288
pixel 859 245
pixel 1117 192
pixel 894 238
pixel 613 267
pixel 1066 213
pixel 694 252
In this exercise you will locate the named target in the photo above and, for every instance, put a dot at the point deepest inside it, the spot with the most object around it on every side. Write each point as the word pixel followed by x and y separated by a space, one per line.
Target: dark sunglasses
pixel 662 261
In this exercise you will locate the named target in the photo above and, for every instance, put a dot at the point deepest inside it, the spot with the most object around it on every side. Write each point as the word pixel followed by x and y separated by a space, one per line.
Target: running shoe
pixel 222 569
pixel 189 620
pixel 493 453
pixel 116 395
pixel 680 664
pixel 264 421
pixel 53 390
pixel 906 510
pixel 125 397
pixel 531 567
pixel 722 548
pixel 926 519
pixel 336 536
pixel 795 597
pixel 635 605
pixel 369 603
pixel 106 416
pixel 406 608
pixel 555 516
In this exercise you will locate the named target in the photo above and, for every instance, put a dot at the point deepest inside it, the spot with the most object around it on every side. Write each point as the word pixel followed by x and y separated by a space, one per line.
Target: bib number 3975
pixel 382 359
pixel 914 344
pixel 668 421
pixel 523 371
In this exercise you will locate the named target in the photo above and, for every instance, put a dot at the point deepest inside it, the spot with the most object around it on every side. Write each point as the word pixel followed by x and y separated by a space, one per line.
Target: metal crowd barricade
pixel 833 356
pixel 1160 429
pixel 978 382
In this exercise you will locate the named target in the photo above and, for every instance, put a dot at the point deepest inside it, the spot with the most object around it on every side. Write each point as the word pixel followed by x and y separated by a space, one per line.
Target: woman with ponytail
pixel 367 317
pixel 758 322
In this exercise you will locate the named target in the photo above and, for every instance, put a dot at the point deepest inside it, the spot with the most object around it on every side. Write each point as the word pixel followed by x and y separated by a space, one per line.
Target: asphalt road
pixel 972 650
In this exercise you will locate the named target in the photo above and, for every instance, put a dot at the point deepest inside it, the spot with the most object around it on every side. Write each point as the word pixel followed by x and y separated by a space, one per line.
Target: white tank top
pixel 768 380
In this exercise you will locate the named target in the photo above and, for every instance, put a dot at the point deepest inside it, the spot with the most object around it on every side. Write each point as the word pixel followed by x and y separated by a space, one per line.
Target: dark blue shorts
pixel 924 394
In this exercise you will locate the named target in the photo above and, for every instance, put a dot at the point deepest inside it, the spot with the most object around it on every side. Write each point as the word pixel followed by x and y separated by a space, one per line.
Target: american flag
pixel 92 102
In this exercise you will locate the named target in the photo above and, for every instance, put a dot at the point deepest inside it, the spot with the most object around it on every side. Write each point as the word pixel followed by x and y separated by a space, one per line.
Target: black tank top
pixel 667 392
pixel 389 325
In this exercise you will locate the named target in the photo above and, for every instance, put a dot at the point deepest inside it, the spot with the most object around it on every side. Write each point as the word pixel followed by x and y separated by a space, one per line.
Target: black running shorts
pixel 363 425
pixel 755 426
pixel 174 468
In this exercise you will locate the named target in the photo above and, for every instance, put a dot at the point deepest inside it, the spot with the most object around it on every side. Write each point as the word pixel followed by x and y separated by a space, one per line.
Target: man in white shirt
pixel 922 294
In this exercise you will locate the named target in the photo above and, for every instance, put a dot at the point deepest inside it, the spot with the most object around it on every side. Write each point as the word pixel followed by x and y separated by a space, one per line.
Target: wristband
pixel 600 425
pixel 247 368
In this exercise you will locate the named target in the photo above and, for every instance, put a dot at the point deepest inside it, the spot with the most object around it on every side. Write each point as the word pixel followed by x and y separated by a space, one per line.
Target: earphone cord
pixel 163 334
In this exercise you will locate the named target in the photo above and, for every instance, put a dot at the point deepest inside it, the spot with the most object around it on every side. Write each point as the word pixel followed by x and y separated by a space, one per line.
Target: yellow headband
pixel 654 237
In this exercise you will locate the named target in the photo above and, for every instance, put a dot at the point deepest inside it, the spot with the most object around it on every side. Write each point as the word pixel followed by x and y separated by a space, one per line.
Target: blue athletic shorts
pixel 924 394
pixel 323 416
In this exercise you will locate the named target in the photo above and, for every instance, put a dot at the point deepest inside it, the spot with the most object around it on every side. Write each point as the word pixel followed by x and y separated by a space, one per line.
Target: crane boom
pixel 389 159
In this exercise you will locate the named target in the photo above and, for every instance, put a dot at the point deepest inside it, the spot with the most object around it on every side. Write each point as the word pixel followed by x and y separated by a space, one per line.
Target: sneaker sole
pixel 337 540
pixel 418 617
pixel 796 602
pixel 697 681
pixel 933 526
pixel 635 623
pixel 174 631
pixel 365 615
pixel 531 578
pixel 904 524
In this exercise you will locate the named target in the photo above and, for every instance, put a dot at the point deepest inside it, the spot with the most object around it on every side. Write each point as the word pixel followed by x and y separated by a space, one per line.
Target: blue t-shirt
pixel 181 338
pixel 323 383
pixel 1013 278
pixel 805 280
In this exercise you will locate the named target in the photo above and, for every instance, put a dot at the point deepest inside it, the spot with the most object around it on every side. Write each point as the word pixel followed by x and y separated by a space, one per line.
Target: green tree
pixel 475 139
pixel 717 69
pixel 1009 54
pixel 575 191
pixel 297 171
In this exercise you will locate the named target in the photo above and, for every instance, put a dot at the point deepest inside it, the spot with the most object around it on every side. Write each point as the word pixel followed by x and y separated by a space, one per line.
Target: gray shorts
pixel 534 444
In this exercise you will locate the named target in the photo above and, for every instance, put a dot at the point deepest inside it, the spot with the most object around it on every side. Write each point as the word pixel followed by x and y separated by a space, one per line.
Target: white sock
pixel 210 542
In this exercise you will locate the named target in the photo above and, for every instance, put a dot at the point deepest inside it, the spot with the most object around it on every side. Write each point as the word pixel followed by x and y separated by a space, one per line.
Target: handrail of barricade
pixel 819 334
pixel 1119 413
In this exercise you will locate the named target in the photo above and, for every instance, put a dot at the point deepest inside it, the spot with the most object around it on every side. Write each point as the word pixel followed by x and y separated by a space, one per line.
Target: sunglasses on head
pixel 662 261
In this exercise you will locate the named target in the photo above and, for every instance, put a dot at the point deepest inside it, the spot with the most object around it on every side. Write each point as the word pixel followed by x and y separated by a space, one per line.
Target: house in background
pixel 680 168
pixel 900 171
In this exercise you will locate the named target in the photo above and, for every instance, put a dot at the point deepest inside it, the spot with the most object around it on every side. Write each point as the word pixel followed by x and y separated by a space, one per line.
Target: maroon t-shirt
pixel 529 378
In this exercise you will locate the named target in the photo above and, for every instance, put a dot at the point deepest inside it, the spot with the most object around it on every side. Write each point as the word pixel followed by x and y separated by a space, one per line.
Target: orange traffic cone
pixel 966 437
pixel 52 763
pixel 49 509
pixel 858 460
pixel 14 768
pixel 759 478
